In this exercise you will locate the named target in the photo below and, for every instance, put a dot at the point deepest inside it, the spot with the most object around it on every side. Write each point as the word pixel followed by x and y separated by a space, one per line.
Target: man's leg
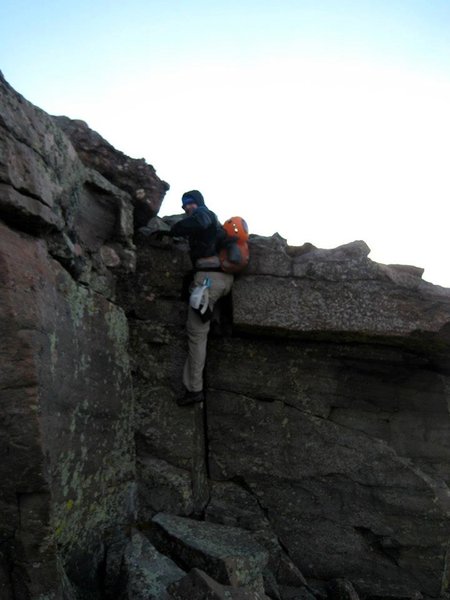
pixel 197 330
pixel 197 333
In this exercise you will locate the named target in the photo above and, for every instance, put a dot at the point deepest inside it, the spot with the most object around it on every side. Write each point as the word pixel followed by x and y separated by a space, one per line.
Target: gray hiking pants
pixel 197 331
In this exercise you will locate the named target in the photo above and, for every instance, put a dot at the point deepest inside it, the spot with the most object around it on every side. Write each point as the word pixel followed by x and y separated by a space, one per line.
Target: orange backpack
pixel 234 254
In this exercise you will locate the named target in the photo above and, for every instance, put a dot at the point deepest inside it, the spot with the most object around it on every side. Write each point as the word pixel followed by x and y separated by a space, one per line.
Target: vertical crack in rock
pixel 200 489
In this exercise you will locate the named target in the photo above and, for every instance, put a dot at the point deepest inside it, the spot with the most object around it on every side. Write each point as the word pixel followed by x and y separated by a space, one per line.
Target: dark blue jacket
pixel 201 228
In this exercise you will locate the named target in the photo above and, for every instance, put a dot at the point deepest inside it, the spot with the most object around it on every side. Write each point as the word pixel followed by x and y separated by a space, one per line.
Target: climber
pixel 202 229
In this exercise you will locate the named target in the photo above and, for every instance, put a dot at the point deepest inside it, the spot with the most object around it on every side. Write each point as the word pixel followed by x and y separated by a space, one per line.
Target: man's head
pixel 192 200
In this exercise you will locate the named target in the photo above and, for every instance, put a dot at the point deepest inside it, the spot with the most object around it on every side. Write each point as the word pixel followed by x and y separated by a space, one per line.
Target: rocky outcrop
pixel 339 292
pixel 318 465
pixel 134 176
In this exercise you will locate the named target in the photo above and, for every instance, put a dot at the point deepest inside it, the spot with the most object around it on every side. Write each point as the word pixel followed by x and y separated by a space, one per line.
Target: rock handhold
pixel 228 554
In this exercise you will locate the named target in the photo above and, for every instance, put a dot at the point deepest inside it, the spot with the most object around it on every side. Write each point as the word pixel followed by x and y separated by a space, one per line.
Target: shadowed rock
pixel 229 555
pixel 341 589
pixel 164 487
pixel 147 572
pixel 197 585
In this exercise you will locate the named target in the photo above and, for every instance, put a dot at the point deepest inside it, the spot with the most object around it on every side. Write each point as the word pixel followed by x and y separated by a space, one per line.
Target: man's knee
pixel 195 326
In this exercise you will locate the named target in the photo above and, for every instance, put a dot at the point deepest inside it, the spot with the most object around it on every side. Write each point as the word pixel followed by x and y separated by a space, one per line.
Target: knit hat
pixel 192 197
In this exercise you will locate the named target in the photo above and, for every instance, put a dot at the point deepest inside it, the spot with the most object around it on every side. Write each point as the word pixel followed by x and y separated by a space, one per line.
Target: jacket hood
pixel 192 196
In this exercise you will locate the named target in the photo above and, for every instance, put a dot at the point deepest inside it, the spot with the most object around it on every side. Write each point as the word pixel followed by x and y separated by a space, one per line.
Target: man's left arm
pixel 198 221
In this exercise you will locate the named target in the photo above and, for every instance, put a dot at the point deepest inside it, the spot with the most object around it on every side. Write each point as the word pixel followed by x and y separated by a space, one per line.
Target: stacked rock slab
pixel 229 554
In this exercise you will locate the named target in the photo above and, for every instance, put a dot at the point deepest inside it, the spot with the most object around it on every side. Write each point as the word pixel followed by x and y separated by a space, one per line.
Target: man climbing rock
pixel 202 229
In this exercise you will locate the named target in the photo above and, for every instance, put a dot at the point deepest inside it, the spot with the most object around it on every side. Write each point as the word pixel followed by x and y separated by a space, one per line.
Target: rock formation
pixel 134 176
pixel 319 464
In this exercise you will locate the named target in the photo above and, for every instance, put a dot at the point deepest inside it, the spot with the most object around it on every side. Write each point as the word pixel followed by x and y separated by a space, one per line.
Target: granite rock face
pixel 134 176
pixel 338 292
pixel 318 465
pixel 66 436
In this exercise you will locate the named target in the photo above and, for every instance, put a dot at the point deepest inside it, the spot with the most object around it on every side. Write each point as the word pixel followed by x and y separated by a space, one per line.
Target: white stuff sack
pixel 199 298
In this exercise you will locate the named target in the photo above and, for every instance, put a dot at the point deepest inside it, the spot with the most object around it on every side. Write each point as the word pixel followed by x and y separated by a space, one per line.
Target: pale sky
pixel 325 121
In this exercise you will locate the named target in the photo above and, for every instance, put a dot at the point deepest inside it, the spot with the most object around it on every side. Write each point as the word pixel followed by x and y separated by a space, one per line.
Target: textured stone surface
pixel 337 292
pixel 163 487
pixel 341 589
pixel 232 504
pixel 32 152
pixel 65 426
pixel 229 555
pixel 358 473
pixel 45 190
pixel 367 308
pixel 134 176
pixel 197 585
pixel 66 438
pixel 148 573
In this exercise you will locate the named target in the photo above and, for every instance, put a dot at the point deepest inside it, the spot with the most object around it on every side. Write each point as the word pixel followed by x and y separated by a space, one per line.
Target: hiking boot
pixel 191 398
